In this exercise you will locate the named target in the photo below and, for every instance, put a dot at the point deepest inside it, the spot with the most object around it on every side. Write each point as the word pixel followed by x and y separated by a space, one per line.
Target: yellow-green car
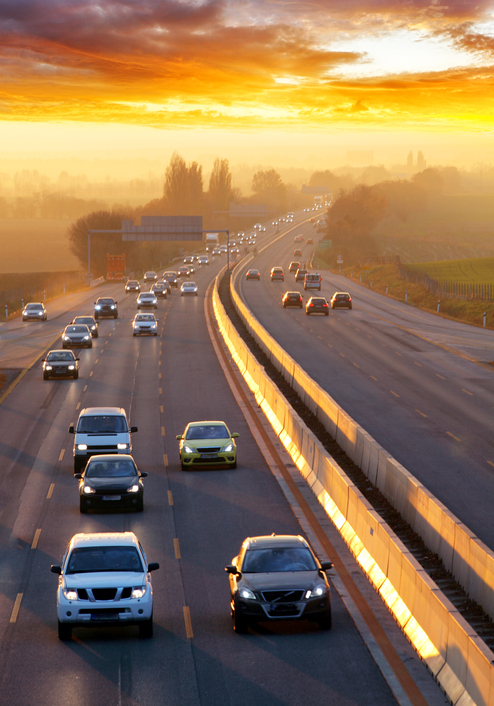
pixel 207 444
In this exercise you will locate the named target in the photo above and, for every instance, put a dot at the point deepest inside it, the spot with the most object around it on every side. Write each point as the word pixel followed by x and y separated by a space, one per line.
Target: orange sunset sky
pixel 353 70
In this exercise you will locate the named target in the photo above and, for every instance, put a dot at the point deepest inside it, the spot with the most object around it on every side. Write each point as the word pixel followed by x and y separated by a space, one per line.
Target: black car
pixel 109 482
pixel 300 274
pixel 171 278
pixel 253 274
pixel 105 306
pixel 278 577
pixel 132 286
pixel 160 289
pixel 317 305
pixel 293 267
pixel 292 299
pixel 60 364
pixel 341 300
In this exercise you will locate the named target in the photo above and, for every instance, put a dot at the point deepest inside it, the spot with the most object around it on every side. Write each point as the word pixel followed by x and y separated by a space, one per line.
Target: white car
pixel 145 324
pixel 188 288
pixel 34 311
pixel 104 580
pixel 147 299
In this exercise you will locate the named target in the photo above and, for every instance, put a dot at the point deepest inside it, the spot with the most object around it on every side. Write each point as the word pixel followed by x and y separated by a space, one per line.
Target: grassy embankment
pixel 475 271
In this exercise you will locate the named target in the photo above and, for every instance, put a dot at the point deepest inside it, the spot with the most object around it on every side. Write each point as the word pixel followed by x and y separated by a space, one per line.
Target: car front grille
pixel 109 448
pixel 208 449
pixel 282 596
pixel 104 594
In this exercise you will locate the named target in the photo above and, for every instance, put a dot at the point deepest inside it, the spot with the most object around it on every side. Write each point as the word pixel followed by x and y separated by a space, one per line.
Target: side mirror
pixel 78 476
pixel 326 565
pixel 133 430
pixel 235 435
pixel 71 429
pixel 232 569
pixel 153 566
pixel 179 437
pixel 56 569
pixel 143 474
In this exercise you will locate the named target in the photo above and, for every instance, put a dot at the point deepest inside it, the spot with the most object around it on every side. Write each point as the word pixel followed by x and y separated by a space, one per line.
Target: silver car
pixel 77 335
pixel 188 288
pixel 145 324
pixel 147 300
pixel 34 311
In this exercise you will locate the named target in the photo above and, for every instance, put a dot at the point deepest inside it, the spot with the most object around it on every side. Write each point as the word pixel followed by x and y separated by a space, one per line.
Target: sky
pixel 86 74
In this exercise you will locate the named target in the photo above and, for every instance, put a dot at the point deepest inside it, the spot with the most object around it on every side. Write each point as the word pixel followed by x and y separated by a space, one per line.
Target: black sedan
pixel 317 305
pixel 132 285
pixel 111 481
pixel 76 335
pixel 278 577
pixel 60 364
pixel 252 274
pixel 105 306
pixel 292 299
pixel 341 300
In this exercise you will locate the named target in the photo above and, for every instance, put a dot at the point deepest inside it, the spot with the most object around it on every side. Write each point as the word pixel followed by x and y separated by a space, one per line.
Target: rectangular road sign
pixel 325 244
pixel 164 228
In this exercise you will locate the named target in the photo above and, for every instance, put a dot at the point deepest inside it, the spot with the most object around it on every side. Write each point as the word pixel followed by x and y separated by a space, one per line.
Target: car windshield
pixel 105 301
pixel 207 431
pixel 259 561
pixel 110 469
pixel 189 285
pixel 102 423
pixel 34 307
pixel 145 317
pixel 147 296
pixel 170 275
pixel 92 559
pixel 60 355
pixel 76 329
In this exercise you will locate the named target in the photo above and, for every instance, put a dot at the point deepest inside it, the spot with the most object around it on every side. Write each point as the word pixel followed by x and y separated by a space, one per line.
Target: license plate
pixel 112 497
pixel 102 616
pixel 209 455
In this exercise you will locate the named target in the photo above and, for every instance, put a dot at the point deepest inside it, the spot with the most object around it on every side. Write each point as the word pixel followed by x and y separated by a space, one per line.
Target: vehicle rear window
pixel 102 424
pixel 259 561
pixel 91 559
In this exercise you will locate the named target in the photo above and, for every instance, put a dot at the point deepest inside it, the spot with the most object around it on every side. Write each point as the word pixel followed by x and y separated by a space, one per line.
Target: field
pixel 35 246
pixel 478 270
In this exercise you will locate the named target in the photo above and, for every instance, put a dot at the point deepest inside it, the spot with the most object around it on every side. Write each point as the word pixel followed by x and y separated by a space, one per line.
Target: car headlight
pixel 48 367
pixel 66 338
pixel 188 449
pixel 82 447
pixel 112 306
pixel 98 306
pixel 316 592
pixel 247 594
pixel 121 447
pixel 88 490
pixel 71 367
pixel 133 488
pixel 138 592
pixel 228 448
pixel 86 338
pixel 70 594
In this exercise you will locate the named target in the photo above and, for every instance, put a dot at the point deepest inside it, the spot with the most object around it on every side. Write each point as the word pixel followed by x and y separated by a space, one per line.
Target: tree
pixel 220 191
pixel 101 243
pixel 183 189
pixel 268 186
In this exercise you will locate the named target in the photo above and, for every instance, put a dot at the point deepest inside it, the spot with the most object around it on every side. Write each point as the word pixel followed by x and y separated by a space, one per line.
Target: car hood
pixel 281 579
pixel 105 579
pixel 113 483
pixel 203 443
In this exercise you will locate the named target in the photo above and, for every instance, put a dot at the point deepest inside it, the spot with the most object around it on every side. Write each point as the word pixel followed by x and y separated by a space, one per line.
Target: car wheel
pixel 115 316
pixel 76 375
pixel 140 506
pixel 64 346
pixel 96 335
pixel 325 623
pixel 82 509
pixel 350 307
pixel 233 465
pixel 326 313
pixel 90 345
pixel 183 467
pixel 64 631
pixel 240 624
pixel 146 628
pixel 96 317
pixel 307 313
pixel 134 334
pixel 45 376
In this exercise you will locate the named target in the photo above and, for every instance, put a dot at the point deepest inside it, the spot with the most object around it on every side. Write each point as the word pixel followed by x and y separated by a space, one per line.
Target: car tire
pixel 349 307
pixel 140 506
pixel 134 334
pixel 64 631
pixel 45 376
pixel 76 375
pixel 307 313
pixel 233 465
pixel 326 313
pixel 183 466
pixel 115 316
pixel 82 509
pixel 90 345
pixel 325 623
pixel 240 624
pixel 146 628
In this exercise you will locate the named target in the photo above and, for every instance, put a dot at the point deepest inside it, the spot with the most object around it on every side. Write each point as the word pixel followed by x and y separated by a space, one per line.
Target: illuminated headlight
pixel 316 592
pixel 71 367
pixel 247 594
pixel 66 338
pixel 98 306
pixel 112 306
pixel 86 338
pixel 189 449
pixel 133 488
pixel 138 592
pixel 82 447
pixel 88 490
pixel 70 594
pixel 121 447
pixel 153 325
pixel 228 448
pixel 48 367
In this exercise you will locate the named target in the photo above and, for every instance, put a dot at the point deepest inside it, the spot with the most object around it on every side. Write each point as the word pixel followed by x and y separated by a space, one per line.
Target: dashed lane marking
pixel 176 547
pixel 62 453
pixel 188 623
pixel 453 436
pixel 16 608
pixel 50 491
pixel 36 539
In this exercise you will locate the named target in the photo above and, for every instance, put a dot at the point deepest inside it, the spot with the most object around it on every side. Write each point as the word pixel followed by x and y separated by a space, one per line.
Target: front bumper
pixel 104 613
pixel 311 609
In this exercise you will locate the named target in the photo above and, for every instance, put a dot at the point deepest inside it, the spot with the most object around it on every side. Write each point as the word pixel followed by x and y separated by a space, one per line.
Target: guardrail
pixel 456 656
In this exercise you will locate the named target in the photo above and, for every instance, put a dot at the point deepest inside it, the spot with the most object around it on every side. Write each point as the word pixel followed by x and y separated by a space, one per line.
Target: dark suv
pixel 105 306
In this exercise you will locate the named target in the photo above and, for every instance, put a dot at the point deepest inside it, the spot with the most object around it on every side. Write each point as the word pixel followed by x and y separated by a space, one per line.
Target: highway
pixel 419 384
pixel 192 524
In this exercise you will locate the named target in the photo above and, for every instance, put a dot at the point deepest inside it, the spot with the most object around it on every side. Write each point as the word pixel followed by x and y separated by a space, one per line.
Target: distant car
pixel 297 252
pixel 203 260
pixel 147 300
pixel 298 239
pixel 252 274
pixel 207 444
pixel 109 482
pixel 277 274
pixel 132 286
pixel 60 363
pixel 76 335
pixel 188 288
pixel 341 300
pixel 105 306
pixel 317 305
pixel 292 299
pixel 278 577
pixel 167 286
pixel 150 276
pixel 104 580
pixel 310 241
pixel 300 274
pixel 216 252
pixel 312 280
pixel 257 226
pixel 34 311
pixel 171 278
pixel 293 266
pixel 90 322
pixel 145 324
pixel 183 272
pixel 188 259
pixel 223 248
pixel 160 289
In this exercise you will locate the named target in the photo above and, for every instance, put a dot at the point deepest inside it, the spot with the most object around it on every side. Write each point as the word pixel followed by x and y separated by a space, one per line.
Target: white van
pixel 100 430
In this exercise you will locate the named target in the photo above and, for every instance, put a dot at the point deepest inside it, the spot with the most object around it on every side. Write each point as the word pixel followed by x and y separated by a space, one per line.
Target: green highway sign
pixel 325 244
